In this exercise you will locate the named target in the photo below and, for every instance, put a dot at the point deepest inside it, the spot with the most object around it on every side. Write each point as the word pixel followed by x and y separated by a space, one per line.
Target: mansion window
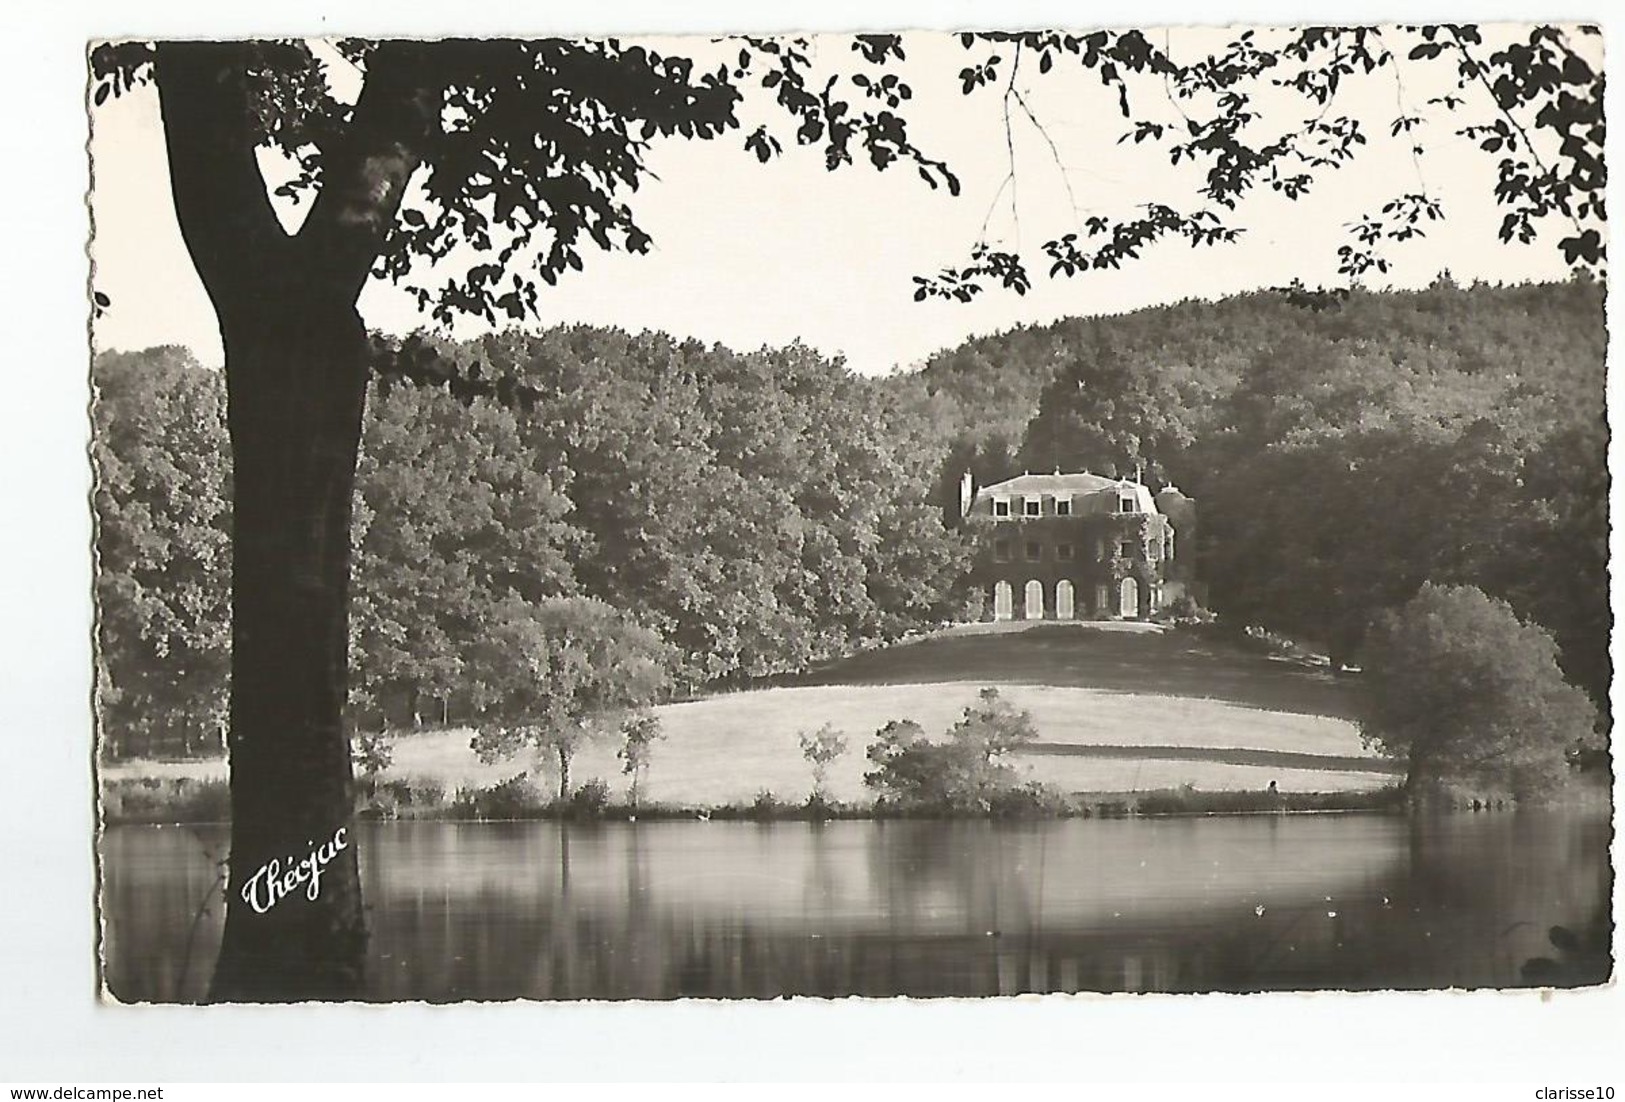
pixel 1063 552
pixel 1001 506
pixel 1032 507
pixel 1153 550
pixel 1001 550
pixel 1100 550
pixel 1063 506
pixel 1126 549
pixel 1034 551
pixel 1125 504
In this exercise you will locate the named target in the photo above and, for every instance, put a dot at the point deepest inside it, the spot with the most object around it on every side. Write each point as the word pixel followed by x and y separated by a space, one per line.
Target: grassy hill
pixel 1117 657
pixel 1119 708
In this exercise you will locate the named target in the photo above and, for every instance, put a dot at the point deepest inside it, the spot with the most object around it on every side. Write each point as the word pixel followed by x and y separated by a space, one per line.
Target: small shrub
pixel 402 798
pixel 1185 611
pixel 166 800
pixel 766 805
pixel 463 803
pixel 818 808
pixel 372 752
pixel 639 733
pixel 1029 801
pixel 590 799
pixel 419 794
pixel 207 802
pixel 821 748
pixel 381 803
pixel 975 607
pixel 965 773
pixel 515 798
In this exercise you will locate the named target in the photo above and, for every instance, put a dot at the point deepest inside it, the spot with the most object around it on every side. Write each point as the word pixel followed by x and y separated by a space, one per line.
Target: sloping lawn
pixel 1095 697
pixel 1129 657
pixel 729 748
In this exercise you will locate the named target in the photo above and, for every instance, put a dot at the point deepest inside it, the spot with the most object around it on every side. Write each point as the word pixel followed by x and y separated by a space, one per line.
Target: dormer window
pixel 1001 506
pixel 1032 506
pixel 1063 506
pixel 1125 503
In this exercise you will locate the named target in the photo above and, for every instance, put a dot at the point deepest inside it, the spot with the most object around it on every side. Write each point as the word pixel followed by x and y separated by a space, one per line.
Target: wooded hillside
pixel 1343 448
pixel 762 511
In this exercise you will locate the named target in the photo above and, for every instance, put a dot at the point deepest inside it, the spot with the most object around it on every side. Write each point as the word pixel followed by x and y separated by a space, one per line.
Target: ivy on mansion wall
pixel 1077 546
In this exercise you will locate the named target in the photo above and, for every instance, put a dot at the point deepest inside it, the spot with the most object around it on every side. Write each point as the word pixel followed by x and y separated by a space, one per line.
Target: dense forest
pixel 1343 448
pixel 758 512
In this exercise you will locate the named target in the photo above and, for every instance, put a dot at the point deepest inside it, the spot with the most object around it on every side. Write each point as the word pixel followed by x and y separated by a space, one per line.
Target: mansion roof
pixel 1085 494
pixel 1038 484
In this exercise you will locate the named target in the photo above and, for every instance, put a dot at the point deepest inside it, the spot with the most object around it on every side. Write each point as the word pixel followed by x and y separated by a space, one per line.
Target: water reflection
pixel 664 910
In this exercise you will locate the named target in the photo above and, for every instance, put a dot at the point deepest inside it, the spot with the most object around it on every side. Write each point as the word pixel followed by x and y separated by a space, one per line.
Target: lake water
pixel 672 909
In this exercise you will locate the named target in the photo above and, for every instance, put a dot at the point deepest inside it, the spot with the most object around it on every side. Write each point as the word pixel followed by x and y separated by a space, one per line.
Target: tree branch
pixel 1055 154
pixel 1009 142
pixel 221 203
pixel 365 176
pixel 1477 70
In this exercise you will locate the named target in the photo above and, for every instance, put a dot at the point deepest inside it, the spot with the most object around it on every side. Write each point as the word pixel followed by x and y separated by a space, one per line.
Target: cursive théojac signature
pixel 274 881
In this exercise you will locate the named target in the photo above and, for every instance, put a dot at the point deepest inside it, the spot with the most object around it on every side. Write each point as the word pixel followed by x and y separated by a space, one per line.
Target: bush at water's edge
pixel 166 800
pixel 190 800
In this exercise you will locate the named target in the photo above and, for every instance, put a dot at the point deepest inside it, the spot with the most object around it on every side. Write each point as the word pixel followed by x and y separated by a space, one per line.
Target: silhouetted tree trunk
pixel 296 375
pixel 296 390
pixel 564 753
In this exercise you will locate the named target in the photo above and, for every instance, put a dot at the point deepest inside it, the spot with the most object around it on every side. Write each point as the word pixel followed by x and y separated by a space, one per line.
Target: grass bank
pixel 131 801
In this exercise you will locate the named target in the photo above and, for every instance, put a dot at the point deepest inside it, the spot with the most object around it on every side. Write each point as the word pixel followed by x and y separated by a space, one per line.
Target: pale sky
pixel 747 254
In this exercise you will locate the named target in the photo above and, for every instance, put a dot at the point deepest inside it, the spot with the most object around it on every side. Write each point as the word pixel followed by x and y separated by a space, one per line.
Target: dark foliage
pixel 1463 692
pixel 1338 456
pixel 760 512
pixel 163 554
pixel 967 772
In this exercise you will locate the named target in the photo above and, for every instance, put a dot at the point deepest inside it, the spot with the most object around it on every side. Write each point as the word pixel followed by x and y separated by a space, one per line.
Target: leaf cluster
pixel 1462 690
pixel 553 674
pixel 967 771
pixel 163 553
pixel 528 151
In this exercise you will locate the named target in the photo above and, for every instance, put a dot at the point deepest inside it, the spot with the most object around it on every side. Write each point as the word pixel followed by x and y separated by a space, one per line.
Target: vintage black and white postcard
pixel 914 513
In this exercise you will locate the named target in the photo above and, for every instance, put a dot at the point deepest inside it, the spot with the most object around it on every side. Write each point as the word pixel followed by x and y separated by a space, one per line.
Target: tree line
pixel 757 512
pixel 729 516
pixel 1343 448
